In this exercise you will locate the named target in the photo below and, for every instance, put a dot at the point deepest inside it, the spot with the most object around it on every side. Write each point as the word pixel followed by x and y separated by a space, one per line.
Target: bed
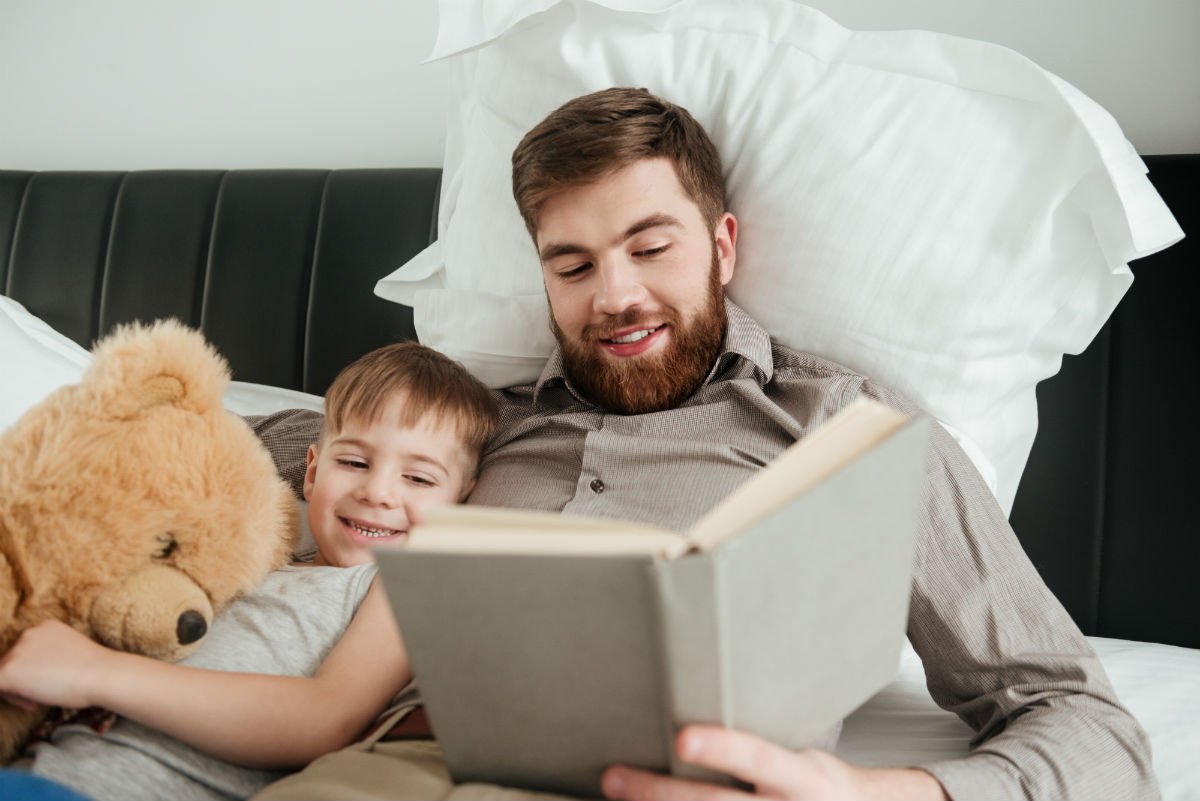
pixel 278 267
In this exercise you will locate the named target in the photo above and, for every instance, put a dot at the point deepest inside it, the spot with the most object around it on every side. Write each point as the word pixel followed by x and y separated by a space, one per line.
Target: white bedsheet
pixel 1159 684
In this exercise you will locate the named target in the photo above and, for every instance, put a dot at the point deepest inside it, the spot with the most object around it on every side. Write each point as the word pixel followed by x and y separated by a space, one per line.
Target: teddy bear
pixel 133 506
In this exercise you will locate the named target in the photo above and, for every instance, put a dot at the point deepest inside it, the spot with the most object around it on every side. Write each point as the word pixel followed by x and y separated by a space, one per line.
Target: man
pixel 658 380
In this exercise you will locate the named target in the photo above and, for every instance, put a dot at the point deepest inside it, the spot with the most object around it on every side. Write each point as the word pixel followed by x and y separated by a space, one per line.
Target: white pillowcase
pixel 1159 684
pixel 36 360
pixel 937 213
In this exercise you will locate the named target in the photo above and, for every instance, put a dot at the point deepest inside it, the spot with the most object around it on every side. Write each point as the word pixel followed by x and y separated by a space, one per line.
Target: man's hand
pixel 774 772
pixel 52 664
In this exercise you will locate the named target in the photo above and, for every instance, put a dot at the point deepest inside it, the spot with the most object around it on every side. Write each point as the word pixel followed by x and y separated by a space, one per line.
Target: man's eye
pixel 650 253
pixel 356 464
pixel 575 272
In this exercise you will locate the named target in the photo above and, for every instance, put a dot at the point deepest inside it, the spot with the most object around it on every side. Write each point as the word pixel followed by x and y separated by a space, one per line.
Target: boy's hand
pixel 52 664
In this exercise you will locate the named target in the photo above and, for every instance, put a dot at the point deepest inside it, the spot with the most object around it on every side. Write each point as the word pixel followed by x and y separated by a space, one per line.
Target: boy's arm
pixel 249 719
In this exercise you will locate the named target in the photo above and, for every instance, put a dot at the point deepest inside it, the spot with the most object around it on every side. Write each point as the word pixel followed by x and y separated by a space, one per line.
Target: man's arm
pixel 248 719
pixel 1001 652
pixel 998 650
pixel 286 436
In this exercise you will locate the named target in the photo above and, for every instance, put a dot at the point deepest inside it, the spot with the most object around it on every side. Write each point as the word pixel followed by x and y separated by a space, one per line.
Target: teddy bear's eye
pixel 168 543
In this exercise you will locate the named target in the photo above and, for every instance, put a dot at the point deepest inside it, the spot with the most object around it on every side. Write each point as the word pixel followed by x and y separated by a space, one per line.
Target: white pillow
pixel 938 213
pixel 245 399
pixel 36 360
pixel 1159 684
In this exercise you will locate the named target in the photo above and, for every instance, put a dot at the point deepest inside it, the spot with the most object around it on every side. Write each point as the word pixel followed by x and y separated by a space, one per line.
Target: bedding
pixel 36 360
pixel 1159 684
pixel 937 213
pixel 900 725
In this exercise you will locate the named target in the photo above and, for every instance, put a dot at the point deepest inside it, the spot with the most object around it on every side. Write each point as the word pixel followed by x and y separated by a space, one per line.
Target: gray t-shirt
pixel 287 626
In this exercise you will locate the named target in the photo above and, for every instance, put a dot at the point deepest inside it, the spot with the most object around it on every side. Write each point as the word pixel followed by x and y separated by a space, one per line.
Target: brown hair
pixel 430 383
pixel 597 134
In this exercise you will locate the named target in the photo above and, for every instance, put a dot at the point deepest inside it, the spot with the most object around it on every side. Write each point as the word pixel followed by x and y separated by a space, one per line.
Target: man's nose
pixel 619 288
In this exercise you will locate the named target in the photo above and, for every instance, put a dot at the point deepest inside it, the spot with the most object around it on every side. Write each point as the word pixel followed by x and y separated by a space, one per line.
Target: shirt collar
pixel 746 351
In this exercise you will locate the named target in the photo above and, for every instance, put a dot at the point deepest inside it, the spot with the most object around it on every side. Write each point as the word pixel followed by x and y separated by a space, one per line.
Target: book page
pixel 484 529
pixel 579 541
pixel 848 434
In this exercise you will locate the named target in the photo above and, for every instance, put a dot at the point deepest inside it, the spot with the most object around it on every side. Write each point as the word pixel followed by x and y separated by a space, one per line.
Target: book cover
pixel 548 648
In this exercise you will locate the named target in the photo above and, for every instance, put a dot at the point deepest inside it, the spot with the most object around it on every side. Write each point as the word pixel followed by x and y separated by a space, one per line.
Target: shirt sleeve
pixel 286 436
pixel 1001 652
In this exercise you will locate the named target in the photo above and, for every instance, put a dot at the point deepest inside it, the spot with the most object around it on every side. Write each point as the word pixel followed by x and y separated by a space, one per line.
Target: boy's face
pixel 369 483
pixel 634 276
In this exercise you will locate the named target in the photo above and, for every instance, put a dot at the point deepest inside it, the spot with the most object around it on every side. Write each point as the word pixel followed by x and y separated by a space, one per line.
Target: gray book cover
pixel 540 670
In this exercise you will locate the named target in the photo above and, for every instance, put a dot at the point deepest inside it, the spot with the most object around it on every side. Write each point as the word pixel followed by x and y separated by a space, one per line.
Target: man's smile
pixel 632 342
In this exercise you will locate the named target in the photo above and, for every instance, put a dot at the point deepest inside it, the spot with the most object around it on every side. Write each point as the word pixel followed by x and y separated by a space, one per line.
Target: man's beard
pixel 648 383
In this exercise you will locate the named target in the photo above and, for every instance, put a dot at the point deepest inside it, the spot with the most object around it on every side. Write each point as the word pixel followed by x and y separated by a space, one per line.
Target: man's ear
pixel 310 472
pixel 725 241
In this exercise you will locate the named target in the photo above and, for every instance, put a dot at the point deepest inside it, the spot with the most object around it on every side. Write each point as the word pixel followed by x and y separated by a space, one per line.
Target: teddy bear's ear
pixel 139 366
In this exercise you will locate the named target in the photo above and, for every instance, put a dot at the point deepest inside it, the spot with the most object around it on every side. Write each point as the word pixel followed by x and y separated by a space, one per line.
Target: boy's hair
pixel 430 383
pixel 597 134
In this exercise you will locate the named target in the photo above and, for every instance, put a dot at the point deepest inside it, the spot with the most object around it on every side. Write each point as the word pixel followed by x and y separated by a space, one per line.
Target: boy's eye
pixel 357 464
pixel 421 481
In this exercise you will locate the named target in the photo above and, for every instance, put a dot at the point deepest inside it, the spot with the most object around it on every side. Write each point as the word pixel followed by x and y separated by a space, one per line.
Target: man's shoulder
pixel 801 367
pixel 792 363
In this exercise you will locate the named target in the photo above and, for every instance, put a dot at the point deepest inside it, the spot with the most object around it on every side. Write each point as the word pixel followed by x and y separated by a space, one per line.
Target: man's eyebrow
pixel 555 249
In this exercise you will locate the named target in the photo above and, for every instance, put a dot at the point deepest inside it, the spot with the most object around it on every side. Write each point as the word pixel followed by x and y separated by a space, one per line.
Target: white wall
pixel 136 84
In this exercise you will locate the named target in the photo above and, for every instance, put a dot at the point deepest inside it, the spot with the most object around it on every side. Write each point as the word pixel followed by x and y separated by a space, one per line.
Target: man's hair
pixel 595 135
pixel 428 382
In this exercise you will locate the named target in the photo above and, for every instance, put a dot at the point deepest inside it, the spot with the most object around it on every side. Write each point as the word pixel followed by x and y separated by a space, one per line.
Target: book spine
pixel 695 661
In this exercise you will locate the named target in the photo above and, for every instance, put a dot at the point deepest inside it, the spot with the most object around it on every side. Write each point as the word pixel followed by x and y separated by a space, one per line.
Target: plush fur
pixel 132 505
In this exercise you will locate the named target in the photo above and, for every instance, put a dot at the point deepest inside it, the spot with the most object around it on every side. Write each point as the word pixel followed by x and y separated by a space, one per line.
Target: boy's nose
pixel 380 490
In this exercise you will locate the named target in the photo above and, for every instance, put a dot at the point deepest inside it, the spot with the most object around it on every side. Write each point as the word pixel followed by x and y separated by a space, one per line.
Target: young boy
pixel 304 664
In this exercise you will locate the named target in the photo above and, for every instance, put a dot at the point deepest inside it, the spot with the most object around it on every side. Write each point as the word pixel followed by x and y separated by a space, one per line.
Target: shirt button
pixel 597 485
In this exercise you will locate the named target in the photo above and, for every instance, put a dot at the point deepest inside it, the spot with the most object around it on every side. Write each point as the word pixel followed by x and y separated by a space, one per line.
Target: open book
pixel 548 647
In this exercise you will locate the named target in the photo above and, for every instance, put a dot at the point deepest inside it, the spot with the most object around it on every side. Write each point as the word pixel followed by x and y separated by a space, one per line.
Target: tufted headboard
pixel 278 267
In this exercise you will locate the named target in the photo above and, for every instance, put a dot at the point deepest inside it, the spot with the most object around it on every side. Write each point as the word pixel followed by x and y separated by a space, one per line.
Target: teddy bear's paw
pixel 15 726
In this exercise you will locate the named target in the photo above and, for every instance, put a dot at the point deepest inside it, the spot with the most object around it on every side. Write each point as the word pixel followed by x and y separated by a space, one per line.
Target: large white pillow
pixel 938 213
pixel 35 360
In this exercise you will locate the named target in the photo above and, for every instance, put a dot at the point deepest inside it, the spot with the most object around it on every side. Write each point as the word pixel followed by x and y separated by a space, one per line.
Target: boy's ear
pixel 470 485
pixel 310 472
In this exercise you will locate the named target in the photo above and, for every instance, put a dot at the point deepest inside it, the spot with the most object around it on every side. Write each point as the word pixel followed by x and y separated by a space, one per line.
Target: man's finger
pixel 772 770
pixel 629 784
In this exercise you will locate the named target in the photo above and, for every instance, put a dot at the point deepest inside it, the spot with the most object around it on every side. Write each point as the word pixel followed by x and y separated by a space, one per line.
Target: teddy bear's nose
pixel 191 627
